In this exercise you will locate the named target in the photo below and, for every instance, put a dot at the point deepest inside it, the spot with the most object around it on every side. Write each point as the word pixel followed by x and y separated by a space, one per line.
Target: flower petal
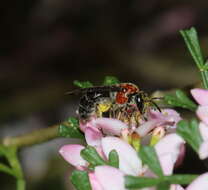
pixel 200 95
pixel 203 150
pixel 168 150
pixel 95 185
pixel 84 125
pixel 146 127
pixel 71 153
pixel 93 136
pixel 166 118
pixel 202 113
pixel 203 128
pixel 129 162
pixel 110 126
pixel 200 183
pixel 169 115
pixel 110 178
pixel 176 187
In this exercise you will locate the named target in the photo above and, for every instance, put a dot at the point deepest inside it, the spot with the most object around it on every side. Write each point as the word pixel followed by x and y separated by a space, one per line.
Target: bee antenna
pixel 158 108
pixel 157 98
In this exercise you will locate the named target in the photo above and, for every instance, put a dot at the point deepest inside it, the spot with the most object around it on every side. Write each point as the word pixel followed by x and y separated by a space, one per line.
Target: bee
pixel 134 112
pixel 124 101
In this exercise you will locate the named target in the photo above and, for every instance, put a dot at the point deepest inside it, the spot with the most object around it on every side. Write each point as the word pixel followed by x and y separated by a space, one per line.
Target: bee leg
pixel 119 115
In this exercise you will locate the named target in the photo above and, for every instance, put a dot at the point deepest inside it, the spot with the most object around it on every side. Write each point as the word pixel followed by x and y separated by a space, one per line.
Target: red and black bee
pixel 120 101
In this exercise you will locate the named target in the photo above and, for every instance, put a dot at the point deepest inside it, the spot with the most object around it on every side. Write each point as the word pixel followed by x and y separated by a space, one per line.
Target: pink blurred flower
pixel 201 96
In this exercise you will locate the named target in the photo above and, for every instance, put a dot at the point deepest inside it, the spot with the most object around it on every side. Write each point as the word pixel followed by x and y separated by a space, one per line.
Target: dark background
pixel 45 45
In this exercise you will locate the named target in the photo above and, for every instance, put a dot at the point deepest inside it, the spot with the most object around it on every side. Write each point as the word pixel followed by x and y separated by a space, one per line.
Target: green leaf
pixel 110 80
pixel 80 180
pixel 149 157
pixel 182 179
pixel 192 42
pixel 132 182
pixel 85 84
pixel 6 169
pixel 2 150
pixel 205 66
pixel 73 122
pixel 65 130
pixel 163 186
pixel 190 133
pixel 113 159
pixel 185 99
pixel 180 100
pixel 90 154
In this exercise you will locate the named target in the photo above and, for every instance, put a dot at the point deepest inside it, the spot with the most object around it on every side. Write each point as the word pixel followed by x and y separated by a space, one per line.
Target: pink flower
pixel 95 129
pixel 167 149
pixel 201 96
pixel 129 162
pixel 108 178
pixel 71 153
pixel 108 126
pixel 203 149
pixel 167 119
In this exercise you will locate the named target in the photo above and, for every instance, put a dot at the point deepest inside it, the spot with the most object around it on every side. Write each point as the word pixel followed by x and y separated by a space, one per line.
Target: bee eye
pixel 124 90
pixel 138 99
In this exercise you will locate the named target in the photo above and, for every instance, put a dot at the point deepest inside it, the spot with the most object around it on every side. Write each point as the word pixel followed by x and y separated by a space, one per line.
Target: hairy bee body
pixel 124 101
pixel 90 103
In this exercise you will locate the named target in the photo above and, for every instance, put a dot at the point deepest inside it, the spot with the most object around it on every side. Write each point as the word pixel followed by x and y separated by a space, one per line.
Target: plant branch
pixel 35 137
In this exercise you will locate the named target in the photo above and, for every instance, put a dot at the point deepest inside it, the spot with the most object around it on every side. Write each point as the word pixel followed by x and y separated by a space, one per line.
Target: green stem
pixel 20 184
pixel 12 156
pixel 204 75
pixel 31 138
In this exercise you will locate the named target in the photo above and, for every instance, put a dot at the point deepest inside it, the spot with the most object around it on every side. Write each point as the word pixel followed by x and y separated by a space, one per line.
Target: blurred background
pixel 45 45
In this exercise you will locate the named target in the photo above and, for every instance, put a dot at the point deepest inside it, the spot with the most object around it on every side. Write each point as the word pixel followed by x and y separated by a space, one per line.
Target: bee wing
pixel 76 92
pixel 98 89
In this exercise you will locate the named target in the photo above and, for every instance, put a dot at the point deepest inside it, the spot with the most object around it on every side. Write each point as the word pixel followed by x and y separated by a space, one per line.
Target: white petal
pixel 168 150
pixel 203 128
pixel 200 183
pixel 203 150
pixel 110 126
pixel 110 178
pixel 200 95
pixel 176 187
pixel 84 125
pixel 93 136
pixel 146 127
pixel 202 113
pixel 129 162
pixel 95 184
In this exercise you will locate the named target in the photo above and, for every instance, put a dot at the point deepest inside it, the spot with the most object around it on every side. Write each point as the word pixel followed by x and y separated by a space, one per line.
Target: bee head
pixel 143 101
